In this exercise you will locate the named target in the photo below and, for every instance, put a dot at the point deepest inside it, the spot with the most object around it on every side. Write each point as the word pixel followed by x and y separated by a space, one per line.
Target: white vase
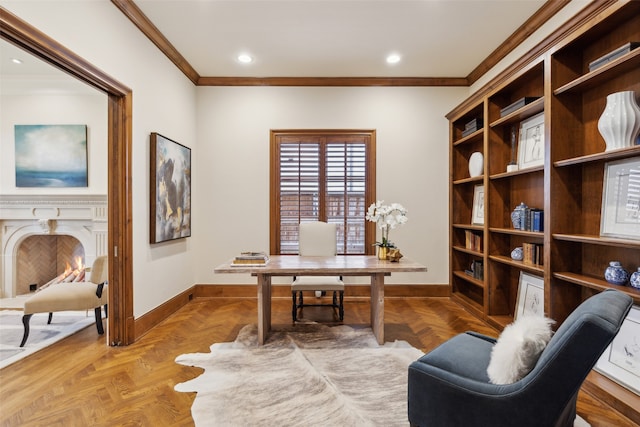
pixel 619 124
pixel 476 164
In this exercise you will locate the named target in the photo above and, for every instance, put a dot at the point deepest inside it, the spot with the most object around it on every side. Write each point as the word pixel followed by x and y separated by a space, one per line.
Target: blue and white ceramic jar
pixel 517 254
pixel 615 274
pixel 518 216
pixel 635 279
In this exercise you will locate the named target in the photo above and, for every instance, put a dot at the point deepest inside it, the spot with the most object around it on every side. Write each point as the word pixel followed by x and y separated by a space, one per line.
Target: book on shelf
pixel 472 126
pixel 473 241
pixel 532 253
pixel 476 271
pixel 613 55
pixel 517 105
pixel 537 220
pixel 246 259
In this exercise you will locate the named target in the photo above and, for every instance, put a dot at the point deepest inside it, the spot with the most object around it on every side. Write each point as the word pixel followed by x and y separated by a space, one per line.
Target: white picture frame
pixel 477 212
pixel 531 142
pixel 620 216
pixel 621 360
pixel 530 300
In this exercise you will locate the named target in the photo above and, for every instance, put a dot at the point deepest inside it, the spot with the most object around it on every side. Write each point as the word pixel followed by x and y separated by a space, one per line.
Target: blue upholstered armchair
pixel 450 386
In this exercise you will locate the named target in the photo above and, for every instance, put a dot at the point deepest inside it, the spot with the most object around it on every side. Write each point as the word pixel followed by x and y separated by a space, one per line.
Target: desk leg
pixel 377 306
pixel 264 307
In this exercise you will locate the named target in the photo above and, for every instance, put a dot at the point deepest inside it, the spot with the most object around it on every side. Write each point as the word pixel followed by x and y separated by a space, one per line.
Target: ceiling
pixel 337 38
pixel 313 38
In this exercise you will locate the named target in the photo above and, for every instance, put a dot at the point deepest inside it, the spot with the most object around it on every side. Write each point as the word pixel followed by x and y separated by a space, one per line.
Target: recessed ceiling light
pixel 244 58
pixel 16 61
pixel 394 58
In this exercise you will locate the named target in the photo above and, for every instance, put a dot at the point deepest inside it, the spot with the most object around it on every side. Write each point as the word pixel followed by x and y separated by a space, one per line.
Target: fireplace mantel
pixel 81 216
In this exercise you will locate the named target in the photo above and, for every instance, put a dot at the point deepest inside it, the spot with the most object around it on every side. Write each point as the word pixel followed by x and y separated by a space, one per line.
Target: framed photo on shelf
pixel 477 213
pixel 170 198
pixel 530 296
pixel 621 199
pixel 531 142
pixel 621 360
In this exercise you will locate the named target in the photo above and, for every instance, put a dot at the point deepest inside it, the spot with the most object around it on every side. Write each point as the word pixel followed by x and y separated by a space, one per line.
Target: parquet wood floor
pixel 80 381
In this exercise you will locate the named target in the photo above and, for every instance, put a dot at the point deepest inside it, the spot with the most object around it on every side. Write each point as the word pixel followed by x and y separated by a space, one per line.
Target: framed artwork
pixel 530 296
pixel 621 199
pixel 531 142
pixel 477 213
pixel 51 155
pixel 621 360
pixel 170 189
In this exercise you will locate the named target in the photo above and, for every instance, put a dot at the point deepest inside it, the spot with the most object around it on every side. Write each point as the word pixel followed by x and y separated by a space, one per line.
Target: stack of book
pixel 517 105
pixel 472 126
pixel 532 253
pixel 473 241
pixel 250 259
pixel 477 270
pixel 613 55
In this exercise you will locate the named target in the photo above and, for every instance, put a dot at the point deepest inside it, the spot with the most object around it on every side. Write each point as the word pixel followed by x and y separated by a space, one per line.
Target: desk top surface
pixel 356 265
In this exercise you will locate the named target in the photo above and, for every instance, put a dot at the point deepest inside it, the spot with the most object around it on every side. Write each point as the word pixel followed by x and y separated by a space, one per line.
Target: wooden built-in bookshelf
pixel 568 187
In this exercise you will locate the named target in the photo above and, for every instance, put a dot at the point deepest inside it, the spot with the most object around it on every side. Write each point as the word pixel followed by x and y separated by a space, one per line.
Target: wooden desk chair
pixel 317 239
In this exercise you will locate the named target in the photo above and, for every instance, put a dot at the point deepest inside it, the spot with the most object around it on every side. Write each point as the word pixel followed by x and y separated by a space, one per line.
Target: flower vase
pixel 619 124
pixel 383 251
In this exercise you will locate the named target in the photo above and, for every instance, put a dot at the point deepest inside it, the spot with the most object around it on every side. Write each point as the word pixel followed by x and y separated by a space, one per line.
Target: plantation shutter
pixel 320 178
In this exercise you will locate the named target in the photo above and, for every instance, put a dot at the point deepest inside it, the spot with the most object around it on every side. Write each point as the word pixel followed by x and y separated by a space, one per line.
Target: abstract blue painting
pixel 51 155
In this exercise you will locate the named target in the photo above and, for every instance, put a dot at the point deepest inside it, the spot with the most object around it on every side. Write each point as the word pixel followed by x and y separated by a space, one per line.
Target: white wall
pixel 163 101
pixel 233 164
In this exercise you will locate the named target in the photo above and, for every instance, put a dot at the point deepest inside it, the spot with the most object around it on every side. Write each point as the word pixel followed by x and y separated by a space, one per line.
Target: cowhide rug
pixel 304 375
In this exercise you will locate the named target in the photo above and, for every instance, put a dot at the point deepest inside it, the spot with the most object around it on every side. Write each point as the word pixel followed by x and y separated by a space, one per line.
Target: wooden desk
pixel 351 265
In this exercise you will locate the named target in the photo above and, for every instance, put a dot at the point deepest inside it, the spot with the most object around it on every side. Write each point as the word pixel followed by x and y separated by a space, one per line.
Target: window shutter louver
pixel 321 178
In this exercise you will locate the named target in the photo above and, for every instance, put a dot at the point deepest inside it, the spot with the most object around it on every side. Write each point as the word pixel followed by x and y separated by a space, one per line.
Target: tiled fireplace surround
pixel 83 217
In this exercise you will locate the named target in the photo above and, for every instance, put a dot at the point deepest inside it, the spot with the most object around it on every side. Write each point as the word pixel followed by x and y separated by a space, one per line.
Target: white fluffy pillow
pixel 518 348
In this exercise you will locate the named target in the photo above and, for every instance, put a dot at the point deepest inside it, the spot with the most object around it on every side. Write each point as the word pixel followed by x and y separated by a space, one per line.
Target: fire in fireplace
pixel 70 274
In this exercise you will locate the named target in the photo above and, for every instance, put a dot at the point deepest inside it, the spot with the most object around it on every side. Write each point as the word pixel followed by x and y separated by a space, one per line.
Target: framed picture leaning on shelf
pixel 477 213
pixel 621 199
pixel 530 300
pixel 621 360
pixel 531 142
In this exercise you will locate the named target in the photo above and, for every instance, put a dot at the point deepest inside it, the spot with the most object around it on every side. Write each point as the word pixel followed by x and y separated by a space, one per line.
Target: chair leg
pixel 99 327
pixel 294 310
pixel 106 310
pixel 50 318
pixel 25 321
pixel 341 309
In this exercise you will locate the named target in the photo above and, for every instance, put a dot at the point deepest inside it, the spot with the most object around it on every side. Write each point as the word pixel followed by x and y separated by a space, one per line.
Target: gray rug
pixel 41 335
pixel 307 375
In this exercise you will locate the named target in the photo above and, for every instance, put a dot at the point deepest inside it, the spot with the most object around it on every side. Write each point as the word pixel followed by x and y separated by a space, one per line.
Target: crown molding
pixel 140 20
pixel 333 81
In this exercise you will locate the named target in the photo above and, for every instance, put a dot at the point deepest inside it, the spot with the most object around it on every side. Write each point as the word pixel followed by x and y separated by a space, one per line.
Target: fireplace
pixel 40 234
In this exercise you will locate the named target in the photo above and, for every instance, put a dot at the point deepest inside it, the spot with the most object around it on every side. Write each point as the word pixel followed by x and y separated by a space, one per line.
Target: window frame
pixel 367 135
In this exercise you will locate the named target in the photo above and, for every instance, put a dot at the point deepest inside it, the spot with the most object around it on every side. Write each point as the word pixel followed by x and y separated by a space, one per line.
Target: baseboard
pixel 147 321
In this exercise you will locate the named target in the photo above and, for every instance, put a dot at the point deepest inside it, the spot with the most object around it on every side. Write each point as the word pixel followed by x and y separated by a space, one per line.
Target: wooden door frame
pixel 120 237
